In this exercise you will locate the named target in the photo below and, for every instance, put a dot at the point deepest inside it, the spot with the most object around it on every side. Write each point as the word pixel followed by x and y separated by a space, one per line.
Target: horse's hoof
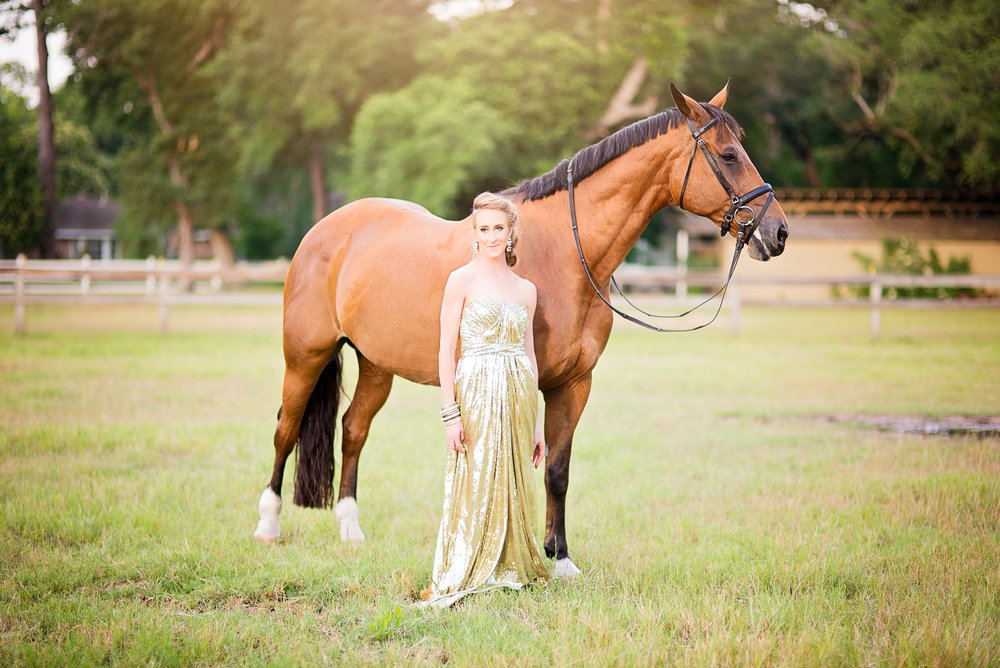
pixel 266 540
pixel 268 530
pixel 347 513
pixel 565 568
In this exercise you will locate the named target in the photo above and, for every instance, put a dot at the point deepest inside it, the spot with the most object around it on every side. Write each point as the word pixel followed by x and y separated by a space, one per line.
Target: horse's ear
pixel 688 106
pixel 720 98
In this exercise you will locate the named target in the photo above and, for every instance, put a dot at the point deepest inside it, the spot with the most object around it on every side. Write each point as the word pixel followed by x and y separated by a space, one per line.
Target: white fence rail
pixel 168 283
pixel 154 281
pixel 638 278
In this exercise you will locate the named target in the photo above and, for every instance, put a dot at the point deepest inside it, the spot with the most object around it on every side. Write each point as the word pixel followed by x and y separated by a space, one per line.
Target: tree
pixel 519 90
pixel 922 81
pixel 162 47
pixel 294 75
pixel 426 143
pixel 17 11
pixel 21 205
pixel 82 168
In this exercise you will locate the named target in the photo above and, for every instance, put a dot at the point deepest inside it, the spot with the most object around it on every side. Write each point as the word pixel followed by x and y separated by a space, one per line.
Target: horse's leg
pixel 563 407
pixel 373 388
pixel 301 374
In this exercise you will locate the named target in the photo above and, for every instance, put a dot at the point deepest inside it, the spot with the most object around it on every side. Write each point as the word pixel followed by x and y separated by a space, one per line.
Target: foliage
pixel 425 144
pixel 918 81
pixel 289 74
pixel 485 114
pixel 903 256
pixel 21 217
pixel 183 170
pixel 259 235
pixel 383 99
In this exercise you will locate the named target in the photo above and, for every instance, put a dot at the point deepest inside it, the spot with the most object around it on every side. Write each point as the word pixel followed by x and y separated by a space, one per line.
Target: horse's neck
pixel 616 202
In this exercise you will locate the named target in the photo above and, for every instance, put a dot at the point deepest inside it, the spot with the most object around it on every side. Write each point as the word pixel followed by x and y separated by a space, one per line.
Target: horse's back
pixel 372 212
pixel 378 268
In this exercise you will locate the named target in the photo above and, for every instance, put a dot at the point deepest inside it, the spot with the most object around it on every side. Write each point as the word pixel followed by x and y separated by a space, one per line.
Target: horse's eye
pixel 728 158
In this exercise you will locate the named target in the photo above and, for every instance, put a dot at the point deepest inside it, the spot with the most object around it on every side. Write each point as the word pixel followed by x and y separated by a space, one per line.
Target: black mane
pixel 589 160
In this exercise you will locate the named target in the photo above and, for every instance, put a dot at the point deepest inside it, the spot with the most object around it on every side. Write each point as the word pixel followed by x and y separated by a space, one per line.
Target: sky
pixel 23 50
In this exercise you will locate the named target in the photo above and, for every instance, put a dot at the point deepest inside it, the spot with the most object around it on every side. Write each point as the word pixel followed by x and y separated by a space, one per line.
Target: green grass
pixel 716 519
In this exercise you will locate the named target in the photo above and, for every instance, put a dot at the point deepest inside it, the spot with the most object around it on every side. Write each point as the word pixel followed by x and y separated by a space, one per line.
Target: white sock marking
pixel 347 513
pixel 269 507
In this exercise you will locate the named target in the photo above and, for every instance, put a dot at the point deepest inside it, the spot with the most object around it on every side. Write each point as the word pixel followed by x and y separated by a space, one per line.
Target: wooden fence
pixel 154 281
pixel 167 283
pixel 635 278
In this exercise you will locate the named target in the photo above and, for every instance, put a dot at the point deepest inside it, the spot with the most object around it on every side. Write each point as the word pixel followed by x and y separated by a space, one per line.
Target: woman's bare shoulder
pixel 461 276
pixel 528 291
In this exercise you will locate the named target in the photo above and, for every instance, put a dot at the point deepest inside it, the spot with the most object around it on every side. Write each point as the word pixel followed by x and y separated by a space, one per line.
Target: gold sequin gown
pixel 486 539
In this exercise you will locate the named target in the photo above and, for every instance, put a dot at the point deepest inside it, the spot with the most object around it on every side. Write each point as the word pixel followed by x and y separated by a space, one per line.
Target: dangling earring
pixel 475 248
pixel 510 245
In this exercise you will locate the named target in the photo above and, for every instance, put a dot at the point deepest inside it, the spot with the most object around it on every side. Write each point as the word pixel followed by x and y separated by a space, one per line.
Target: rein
pixel 738 206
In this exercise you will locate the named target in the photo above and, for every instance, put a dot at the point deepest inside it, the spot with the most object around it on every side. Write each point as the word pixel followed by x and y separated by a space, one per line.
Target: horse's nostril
pixel 782 234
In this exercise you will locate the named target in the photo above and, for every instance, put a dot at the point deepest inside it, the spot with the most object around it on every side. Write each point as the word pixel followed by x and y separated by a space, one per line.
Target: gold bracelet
pixel 451 413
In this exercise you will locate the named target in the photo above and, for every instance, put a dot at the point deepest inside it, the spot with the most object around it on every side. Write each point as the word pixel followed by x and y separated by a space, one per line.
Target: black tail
pixel 314 464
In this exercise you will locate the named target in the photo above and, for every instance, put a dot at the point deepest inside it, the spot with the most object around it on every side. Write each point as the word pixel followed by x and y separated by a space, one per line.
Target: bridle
pixel 738 203
pixel 738 207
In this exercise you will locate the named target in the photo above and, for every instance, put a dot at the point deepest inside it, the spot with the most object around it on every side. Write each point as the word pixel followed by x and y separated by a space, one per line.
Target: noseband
pixel 738 204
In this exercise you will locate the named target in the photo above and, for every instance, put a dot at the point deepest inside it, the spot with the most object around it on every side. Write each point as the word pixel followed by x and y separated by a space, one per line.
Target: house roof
pixel 85 217
pixel 852 228
pixel 851 215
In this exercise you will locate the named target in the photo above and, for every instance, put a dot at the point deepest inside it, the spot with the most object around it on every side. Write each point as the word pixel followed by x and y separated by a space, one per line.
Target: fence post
pixel 164 293
pixel 683 251
pixel 151 278
pixel 85 279
pixel 215 283
pixel 876 299
pixel 19 266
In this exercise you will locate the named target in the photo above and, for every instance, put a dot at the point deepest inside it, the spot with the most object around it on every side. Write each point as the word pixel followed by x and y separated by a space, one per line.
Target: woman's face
pixel 492 232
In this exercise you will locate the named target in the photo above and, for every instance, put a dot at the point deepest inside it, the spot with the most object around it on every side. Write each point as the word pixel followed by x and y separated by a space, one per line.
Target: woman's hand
pixel 455 435
pixel 539 453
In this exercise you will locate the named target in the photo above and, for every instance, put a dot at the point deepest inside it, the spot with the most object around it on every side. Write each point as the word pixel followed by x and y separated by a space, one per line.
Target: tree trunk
pixel 185 234
pixel 222 248
pixel 46 139
pixel 812 171
pixel 316 179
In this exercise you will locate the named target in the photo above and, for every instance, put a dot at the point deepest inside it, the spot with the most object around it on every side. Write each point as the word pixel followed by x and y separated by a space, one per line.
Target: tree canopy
pixel 254 119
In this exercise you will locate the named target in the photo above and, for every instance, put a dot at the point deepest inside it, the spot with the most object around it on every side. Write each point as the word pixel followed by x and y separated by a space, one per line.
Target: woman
pixel 491 417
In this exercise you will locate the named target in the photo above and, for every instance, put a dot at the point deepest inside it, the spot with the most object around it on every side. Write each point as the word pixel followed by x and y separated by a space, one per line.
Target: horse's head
pixel 720 183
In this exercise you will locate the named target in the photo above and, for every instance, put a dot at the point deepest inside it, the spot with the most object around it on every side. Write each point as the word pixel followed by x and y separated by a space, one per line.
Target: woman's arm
pixel 451 315
pixel 529 349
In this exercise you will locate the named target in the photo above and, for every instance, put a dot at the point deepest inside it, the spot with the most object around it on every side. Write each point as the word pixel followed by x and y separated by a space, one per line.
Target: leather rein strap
pixel 738 204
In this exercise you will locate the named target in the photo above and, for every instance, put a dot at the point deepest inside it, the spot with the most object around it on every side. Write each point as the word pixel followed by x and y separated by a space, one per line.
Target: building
pixel 86 226
pixel 827 228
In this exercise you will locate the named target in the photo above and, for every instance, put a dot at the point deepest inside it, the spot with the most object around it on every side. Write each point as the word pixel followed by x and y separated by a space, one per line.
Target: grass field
pixel 717 517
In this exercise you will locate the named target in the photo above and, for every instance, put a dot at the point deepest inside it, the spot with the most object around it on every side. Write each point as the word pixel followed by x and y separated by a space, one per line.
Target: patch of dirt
pixel 956 425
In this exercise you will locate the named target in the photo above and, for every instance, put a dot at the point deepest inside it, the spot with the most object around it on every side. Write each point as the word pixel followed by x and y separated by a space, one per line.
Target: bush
pixel 902 256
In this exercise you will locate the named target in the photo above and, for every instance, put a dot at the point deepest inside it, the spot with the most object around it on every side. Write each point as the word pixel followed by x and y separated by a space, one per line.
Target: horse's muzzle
pixel 768 240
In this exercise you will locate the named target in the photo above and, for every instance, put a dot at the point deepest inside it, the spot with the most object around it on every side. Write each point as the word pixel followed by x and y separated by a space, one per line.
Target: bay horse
pixel 372 273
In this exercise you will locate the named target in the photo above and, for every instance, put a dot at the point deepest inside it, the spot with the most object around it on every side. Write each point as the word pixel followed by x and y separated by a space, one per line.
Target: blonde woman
pixel 490 399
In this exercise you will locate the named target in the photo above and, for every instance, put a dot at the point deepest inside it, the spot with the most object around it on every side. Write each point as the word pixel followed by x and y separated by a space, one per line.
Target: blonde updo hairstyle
pixel 497 202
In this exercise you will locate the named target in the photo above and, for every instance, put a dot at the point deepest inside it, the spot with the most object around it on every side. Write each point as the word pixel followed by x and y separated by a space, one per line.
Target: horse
pixel 371 275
